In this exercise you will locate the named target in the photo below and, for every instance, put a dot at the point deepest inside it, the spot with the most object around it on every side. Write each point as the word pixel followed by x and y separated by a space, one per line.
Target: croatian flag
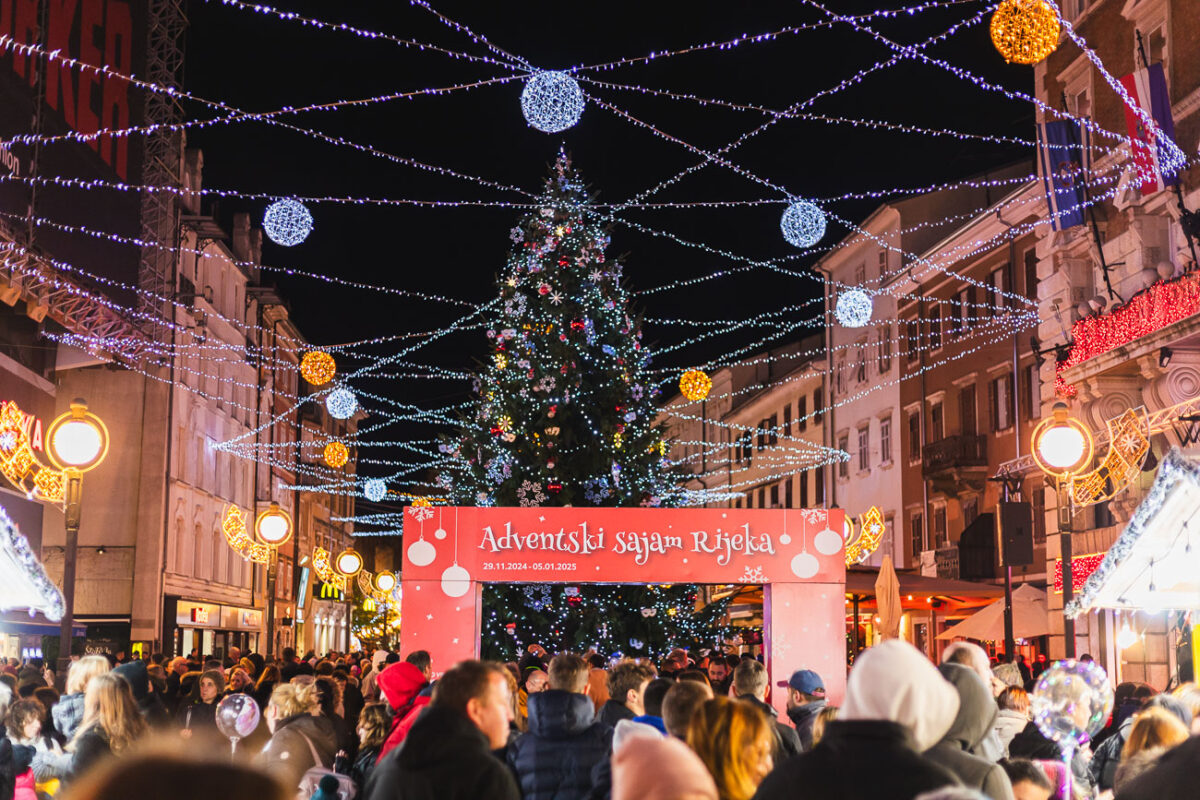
pixel 1148 89
pixel 1062 149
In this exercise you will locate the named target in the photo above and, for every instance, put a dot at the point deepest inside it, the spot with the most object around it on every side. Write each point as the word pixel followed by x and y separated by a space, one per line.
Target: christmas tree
pixel 565 415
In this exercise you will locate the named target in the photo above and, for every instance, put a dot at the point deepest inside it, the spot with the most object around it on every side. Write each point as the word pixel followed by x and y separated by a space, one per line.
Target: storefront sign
pixel 200 615
pixel 32 426
pixel 327 591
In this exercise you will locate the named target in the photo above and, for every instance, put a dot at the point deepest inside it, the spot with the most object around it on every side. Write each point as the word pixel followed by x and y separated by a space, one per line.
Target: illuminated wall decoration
pixel 18 462
pixel 323 567
pixel 1128 444
pixel 871 528
pixel 237 537
pixel 1082 568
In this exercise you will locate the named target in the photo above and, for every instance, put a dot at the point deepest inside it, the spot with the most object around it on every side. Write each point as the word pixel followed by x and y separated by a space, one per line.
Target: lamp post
pixel 1061 448
pixel 78 442
pixel 273 528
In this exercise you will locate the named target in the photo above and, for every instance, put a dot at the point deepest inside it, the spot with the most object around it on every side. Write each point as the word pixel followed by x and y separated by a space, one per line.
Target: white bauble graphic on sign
pixel 421 553
pixel 805 565
pixel 439 534
pixel 827 542
pixel 455 581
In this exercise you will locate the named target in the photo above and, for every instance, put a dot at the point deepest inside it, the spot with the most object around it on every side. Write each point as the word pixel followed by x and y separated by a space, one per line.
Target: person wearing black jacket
pixel 626 684
pixel 199 710
pixel 149 703
pixel 565 744
pixel 447 754
pixel 750 686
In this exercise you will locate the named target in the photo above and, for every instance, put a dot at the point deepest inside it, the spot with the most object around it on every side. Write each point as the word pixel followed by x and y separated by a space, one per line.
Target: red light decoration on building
pixel 1081 569
pixel 1160 305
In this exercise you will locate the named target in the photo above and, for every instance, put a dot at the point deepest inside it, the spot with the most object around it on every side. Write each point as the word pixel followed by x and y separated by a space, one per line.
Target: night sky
pixel 259 63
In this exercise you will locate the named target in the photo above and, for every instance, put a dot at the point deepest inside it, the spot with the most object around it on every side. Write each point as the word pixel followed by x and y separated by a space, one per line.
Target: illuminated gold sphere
pixel 1025 31
pixel 694 384
pixel 336 454
pixel 317 367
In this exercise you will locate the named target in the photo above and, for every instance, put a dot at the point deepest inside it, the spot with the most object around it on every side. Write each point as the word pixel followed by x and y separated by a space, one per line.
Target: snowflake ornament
pixel 529 494
pixel 752 575
pixel 556 298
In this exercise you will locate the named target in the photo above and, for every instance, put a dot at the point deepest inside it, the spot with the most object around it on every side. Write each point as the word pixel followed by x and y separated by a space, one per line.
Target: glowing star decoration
pixel 375 490
pixel 317 367
pixel 336 454
pixel 1025 31
pixel 853 308
pixel 803 224
pixel 287 222
pixel 552 101
pixel 341 403
pixel 870 533
pixel 695 385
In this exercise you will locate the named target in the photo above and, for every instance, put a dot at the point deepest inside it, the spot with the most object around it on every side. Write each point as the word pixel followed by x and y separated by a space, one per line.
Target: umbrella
pixel 1029 619
pixel 887 600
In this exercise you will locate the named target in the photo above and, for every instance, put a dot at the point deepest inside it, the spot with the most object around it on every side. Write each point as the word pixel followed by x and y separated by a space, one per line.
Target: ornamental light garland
pixel 341 403
pixel 317 367
pixel 853 308
pixel 552 101
pixel 1025 31
pixel 695 385
pixel 287 222
pixel 336 454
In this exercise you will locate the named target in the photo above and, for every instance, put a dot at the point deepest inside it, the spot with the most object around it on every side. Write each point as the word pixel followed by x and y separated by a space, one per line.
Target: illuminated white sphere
pixel 1061 446
pixel 348 562
pixel 341 403
pixel 274 528
pixel 385 581
pixel 287 222
pixel 803 224
pixel 77 442
pixel 375 490
pixel 552 101
pixel 853 308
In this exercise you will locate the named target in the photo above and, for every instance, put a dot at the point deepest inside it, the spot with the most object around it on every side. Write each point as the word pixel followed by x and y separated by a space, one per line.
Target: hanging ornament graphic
pixel 804 563
pixel 456 581
pixel 828 541
pixel 440 533
pixel 421 553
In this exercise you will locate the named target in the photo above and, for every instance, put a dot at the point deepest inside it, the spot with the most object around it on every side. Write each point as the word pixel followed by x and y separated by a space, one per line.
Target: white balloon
pixel 805 565
pixel 421 553
pixel 827 542
pixel 456 581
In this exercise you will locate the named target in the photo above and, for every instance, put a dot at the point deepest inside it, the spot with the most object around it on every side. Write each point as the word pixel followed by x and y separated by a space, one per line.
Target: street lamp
pixel 1062 447
pixel 78 442
pixel 385 581
pixel 273 526
pixel 349 562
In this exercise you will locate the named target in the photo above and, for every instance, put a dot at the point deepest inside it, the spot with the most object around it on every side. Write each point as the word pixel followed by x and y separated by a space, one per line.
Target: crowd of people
pixel 569 726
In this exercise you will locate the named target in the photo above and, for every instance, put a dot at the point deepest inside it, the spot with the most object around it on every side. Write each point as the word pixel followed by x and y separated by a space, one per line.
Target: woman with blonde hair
pixel 735 741
pixel 111 722
pixel 1013 715
pixel 298 741
pixel 68 711
pixel 825 716
pixel 1155 730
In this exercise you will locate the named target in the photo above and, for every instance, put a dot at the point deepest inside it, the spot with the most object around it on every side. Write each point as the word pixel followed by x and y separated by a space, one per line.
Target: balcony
pixel 956 463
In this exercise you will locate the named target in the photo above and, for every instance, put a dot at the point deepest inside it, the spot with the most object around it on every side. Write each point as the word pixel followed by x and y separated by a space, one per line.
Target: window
pixel 860 275
pixel 802 412
pixel 883 263
pixel 1037 500
pixel 773 429
pixel 761 434
pixel 819 487
pixel 917 533
pixel 970 510
pixel 1001 402
pixel 885 440
pixel 840 369
pixel 860 364
pixel 864 448
pixel 762 497
pixel 843 444
pixel 804 488
pixel 966 308
pixel 885 349
pixel 940 537
pixel 935 326
pixel 937 428
pixel 1031 392
pixel 747 449
pixel 787 493
pixel 787 420
pixel 1000 284
pixel 914 436
pixel 818 408
pixel 1031 276
pixel 912 339
pixel 966 410
pixel 774 496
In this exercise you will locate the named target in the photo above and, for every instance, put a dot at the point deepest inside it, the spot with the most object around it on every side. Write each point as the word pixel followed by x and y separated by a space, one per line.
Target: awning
pixel 1155 563
pixel 955 594
pixel 1029 619
pixel 38 628
pixel 23 581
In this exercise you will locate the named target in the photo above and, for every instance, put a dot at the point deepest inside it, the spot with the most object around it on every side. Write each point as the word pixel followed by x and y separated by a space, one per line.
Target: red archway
pixel 449 553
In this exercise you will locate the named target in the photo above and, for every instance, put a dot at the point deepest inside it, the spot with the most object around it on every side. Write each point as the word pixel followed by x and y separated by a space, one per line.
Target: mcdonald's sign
pixel 327 591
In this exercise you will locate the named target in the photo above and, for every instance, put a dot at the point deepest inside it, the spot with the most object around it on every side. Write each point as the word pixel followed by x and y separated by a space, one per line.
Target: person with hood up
pixel 897 705
pixel 449 754
pixel 565 743
pixel 151 706
pixel 976 718
pixel 662 769
pixel 805 700
pixel 975 658
pixel 400 686
pixel 370 688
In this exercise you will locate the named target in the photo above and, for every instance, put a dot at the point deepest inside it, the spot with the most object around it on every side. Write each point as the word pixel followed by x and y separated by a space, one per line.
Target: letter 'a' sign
pixel 798 555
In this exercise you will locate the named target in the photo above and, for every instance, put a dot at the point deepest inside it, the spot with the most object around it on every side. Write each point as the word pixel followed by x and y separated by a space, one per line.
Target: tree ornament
pixel 552 101
pixel 287 222
pixel 341 403
pixel 853 308
pixel 336 454
pixel 1025 31
pixel 375 490
pixel 317 367
pixel 803 224
pixel 695 385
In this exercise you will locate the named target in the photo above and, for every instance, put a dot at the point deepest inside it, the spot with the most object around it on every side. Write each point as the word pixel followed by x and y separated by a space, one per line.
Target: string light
pixel 341 403
pixel 375 490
